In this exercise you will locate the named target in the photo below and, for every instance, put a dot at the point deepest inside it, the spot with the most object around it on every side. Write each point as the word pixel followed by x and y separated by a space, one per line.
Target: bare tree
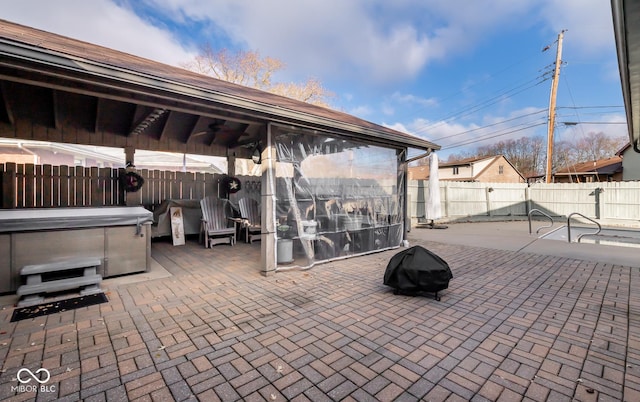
pixel 250 69
pixel 594 146
pixel 528 155
pixel 311 91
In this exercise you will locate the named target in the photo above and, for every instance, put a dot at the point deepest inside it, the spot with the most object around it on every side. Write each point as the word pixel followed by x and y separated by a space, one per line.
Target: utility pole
pixel 552 107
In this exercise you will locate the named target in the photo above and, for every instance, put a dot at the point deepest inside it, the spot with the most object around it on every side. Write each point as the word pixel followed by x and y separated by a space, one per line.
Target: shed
pixel 344 174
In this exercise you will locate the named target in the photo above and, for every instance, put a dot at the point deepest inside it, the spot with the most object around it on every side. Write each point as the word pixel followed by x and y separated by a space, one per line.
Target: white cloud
pixel 589 23
pixel 101 22
pixel 316 38
pixel 413 99
pixel 376 41
pixel 388 110
pixel 379 42
pixel 398 127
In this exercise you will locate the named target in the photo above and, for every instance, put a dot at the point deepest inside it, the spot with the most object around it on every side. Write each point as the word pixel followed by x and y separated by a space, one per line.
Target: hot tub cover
pixel 20 220
pixel 191 216
pixel 416 270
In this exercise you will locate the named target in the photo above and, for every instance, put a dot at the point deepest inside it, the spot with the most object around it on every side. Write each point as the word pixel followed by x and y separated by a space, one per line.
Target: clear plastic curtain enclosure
pixel 334 198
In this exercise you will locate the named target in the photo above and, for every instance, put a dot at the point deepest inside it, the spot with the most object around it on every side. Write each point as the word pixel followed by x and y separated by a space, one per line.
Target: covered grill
pixel 416 270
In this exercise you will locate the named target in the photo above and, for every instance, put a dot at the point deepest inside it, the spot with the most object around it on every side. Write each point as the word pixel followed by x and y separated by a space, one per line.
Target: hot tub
pixel 119 236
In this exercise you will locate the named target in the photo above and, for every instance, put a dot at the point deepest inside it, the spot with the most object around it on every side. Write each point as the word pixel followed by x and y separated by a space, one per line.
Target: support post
pixel 8 183
pixel 402 190
pixel 447 196
pixel 131 199
pixel 268 207
pixel 488 191
pixel 599 204
pixel 231 164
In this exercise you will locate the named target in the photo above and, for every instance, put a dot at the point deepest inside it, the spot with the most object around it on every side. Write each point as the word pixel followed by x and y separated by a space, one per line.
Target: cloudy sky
pixel 458 72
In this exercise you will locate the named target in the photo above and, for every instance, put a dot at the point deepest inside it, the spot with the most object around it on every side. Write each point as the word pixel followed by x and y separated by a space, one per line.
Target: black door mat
pixel 38 310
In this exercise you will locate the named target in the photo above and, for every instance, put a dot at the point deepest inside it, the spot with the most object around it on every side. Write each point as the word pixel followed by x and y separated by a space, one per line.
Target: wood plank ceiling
pixel 92 116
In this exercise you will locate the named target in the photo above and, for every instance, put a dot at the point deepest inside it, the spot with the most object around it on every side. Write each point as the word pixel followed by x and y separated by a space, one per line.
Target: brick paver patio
pixel 512 326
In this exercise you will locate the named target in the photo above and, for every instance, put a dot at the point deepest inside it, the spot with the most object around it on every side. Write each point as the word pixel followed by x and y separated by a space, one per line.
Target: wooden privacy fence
pixel 160 185
pixel 43 186
pixel 46 186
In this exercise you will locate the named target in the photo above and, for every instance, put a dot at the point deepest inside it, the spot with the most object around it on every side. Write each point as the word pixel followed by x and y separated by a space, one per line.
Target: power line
pixel 490 125
pixel 491 76
pixel 590 107
pixel 584 114
pixel 501 95
pixel 571 123
pixel 475 140
pixel 566 83
pixel 484 104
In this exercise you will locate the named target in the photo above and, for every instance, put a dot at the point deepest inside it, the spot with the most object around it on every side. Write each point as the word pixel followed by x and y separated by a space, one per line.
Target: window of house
pixel 501 169
pixel 455 170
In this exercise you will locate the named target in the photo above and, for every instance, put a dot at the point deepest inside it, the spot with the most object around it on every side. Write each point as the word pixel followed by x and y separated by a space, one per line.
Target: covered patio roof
pixel 54 88
pixel 626 14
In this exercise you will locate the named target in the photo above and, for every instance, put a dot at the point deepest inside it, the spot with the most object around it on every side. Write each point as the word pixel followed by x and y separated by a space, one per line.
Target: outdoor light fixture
pixel 256 157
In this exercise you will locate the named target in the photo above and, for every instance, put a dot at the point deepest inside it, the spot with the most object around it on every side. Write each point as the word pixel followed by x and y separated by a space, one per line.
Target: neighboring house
pixel 60 154
pixel 593 171
pixel 492 169
pixel 55 154
pixel 420 172
pixel 630 163
pixel 17 155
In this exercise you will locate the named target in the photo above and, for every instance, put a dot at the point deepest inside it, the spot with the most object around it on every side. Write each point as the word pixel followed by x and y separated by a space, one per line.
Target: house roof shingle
pixel 468 161
pixel 602 166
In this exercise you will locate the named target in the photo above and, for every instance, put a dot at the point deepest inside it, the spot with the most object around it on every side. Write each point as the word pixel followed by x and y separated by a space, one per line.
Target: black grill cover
pixel 417 269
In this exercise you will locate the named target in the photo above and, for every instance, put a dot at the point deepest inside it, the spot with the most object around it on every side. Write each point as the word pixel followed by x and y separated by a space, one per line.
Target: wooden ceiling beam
pixel 199 126
pixel 6 111
pixel 99 108
pixel 165 127
pixel 56 110
pixel 149 119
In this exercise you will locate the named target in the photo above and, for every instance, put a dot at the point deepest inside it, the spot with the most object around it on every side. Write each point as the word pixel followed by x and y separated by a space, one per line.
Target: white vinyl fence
pixel 610 200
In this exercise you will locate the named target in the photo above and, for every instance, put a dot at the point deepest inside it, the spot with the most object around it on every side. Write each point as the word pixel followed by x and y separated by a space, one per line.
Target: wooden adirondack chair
pixel 216 225
pixel 250 212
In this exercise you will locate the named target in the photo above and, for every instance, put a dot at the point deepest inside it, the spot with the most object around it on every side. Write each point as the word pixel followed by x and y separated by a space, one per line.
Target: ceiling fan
pixel 212 128
pixel 224 134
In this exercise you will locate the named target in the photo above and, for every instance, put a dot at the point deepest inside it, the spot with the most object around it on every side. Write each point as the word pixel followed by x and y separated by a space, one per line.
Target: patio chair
pixel 250 213
pixel 217 227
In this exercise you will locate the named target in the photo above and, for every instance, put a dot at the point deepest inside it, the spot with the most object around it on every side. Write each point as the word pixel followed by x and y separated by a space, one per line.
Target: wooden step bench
pixel 35 287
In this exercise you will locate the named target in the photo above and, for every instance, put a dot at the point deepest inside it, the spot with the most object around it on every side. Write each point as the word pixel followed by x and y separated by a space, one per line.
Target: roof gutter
pixel 415 158
pixel 622 48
